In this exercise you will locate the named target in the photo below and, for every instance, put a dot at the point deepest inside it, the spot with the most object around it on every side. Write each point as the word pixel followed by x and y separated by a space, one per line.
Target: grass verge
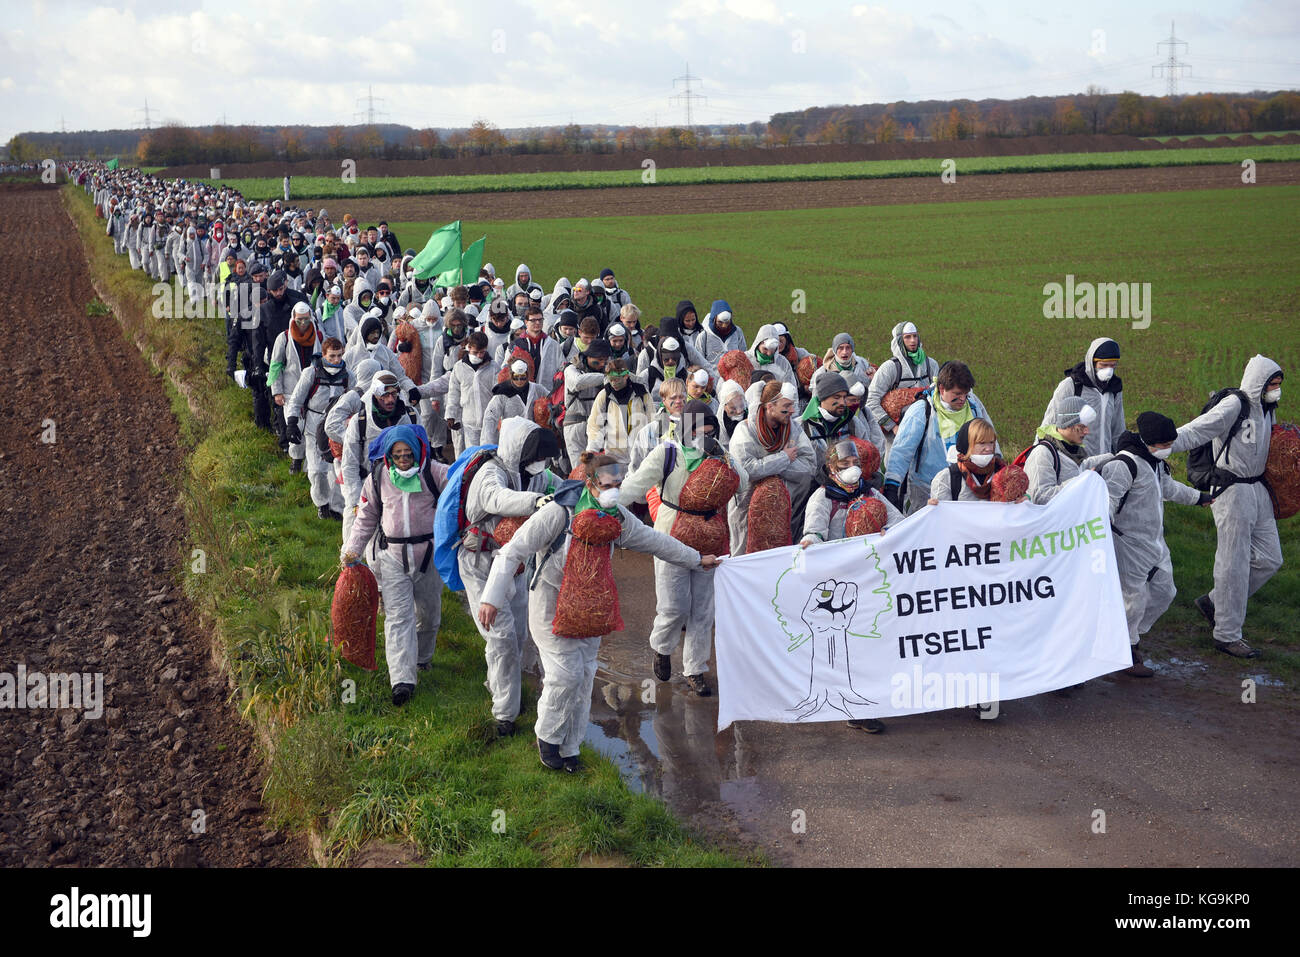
pixel 343 762
pixel 330 187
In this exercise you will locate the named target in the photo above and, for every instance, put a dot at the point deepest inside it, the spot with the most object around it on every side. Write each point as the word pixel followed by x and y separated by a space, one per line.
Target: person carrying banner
pixel 970 477
pixel 570 663
pixel 1239 430
pixel 1060 455
pixel 1139 484
pixel 683 596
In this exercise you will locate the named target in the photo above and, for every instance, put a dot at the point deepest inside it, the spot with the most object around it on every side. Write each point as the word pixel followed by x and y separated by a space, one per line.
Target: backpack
pixel 1056 457
pixel 451 520
pixel 1133 474
pixel 1203 470
pixel 426 473
pixel 556 398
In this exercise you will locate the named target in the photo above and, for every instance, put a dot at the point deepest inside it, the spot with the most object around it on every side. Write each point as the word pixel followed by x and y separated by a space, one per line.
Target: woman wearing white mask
pixel 1094 380
pixel 569 663
pixel 975 461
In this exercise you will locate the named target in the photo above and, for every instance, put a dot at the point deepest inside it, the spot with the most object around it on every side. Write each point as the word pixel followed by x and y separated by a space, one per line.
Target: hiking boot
pixel 869 725
pixel 550 754
pixel 402 693
pixel 323 511
pixel 337 516
pixel 1138 669
pixel 697 684
pixel 505 729
pixel 571 764
pixel 1238 649
pixel 295 467
pixel 1206 608
pixel 663 666
pixel 424 666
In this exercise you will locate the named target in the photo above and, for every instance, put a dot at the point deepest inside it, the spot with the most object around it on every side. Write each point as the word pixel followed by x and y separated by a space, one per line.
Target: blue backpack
pixel 450 519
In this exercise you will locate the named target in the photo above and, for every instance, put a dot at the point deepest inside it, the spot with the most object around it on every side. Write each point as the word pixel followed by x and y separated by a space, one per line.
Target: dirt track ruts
pixel 89 551
pixel 748 197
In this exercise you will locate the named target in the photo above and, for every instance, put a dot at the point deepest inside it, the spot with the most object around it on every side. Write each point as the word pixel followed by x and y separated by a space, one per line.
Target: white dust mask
pixel 850 475
pixel 1273 395
pixel 608 498
pixel 979 461
pixel 1161 453
pixel 1105 374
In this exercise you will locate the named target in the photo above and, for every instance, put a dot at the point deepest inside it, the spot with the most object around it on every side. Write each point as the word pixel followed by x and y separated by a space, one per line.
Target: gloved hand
pixel 1205 499
pixel 453 425
pixel 405 345
pixel 413 397
pixel 291 430
pixel 894 493
pixel 542 501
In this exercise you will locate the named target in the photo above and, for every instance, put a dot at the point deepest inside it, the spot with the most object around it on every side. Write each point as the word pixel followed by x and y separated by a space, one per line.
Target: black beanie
pixel 1155 428
pixel 1107 350
pixel 963 437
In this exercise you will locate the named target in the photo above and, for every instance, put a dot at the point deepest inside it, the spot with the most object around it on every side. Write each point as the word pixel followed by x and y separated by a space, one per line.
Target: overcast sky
pixel 542 62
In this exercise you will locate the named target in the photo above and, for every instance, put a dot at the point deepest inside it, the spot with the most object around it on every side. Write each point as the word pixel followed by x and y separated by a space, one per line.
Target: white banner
pixel 962 603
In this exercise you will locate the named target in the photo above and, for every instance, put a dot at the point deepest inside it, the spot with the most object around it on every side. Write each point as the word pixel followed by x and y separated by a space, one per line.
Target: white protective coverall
pixel 1107 398
pixel 750 455
pixel 569 663
pixel 1249 551
pixel 308 403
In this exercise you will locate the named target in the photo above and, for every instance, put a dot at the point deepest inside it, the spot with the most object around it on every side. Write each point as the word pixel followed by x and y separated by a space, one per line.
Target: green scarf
pixel 763 358
pixel 917 358
pixel 692 458
pixel 950 423
pixel 844 366
pixel 586 500
pixel 411 484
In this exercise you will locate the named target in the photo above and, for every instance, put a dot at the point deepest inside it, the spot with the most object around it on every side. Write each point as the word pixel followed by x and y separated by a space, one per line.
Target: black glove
pixel 406 345
pixel 1205 499
pixel 413 397
pixel 291 430
pixel 894 493
pixel 712 447
pixel 453 425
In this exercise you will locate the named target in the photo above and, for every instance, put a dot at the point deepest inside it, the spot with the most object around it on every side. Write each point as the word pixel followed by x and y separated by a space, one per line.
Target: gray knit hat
pixel 842 338
pixel 1072 410
pixel 828 383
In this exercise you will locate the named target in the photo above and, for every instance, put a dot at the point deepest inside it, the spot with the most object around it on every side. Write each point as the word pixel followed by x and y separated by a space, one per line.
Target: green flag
pixel 440 254
pixel 112 164
pixel 471 261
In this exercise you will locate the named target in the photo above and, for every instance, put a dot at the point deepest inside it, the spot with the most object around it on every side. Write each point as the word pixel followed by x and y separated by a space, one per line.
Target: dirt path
pixel 1186 774
pixel 89 548
pixel 745 197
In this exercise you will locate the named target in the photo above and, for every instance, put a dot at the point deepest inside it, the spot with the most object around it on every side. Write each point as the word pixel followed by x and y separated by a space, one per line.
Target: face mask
pixel 476 360
pixel 330 368
pixel 1105 375
pixel 828 415
pixel 608 498
pixel 850 476
pixel 406 473
pixel 535 468
pixel 382 300
pixel 1272 396
pixel 979 461
pixel 372 346
pixel 1161 453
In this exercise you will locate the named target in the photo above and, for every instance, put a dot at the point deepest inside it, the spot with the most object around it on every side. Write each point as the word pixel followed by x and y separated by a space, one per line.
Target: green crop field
pixel 1222 265
pixel 327 187
pixel 1210 136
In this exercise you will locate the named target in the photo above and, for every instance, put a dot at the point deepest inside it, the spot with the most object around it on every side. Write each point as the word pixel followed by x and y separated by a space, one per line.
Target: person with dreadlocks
pixel 397 503
pixel 769 445
pixel 512 483
pixel 569 663
pixel 683 596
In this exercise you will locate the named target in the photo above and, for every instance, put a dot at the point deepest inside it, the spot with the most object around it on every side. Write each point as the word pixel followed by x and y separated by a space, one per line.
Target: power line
pixel 687 96
pixel 145 111
pixel 370 112
pixel 1171 69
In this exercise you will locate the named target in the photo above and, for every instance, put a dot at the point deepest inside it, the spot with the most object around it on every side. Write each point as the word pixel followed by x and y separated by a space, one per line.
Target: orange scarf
pixel 305 338
pixel 772 439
